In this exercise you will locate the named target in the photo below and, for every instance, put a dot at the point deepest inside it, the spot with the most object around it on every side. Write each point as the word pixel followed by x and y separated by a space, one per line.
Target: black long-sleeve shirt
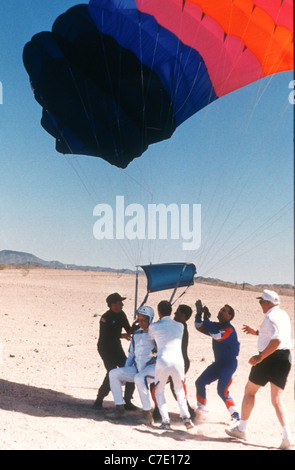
pixel 111 325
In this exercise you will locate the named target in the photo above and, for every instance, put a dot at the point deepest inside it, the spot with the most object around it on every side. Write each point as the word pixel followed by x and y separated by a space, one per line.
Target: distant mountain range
pixel 22 259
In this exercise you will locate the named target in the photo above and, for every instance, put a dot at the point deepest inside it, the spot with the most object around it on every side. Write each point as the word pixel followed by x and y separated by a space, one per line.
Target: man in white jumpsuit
pixel 139 368
pixel 167 334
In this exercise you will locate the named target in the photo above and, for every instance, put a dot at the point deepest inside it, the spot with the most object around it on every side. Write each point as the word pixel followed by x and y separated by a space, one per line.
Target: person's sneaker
pixel 188 423
pixel 130 407
pixel 117 414
pixel 147 418
pixel 235 432
pixel 165 426
pixel 200 416
pixel 191 412
pixel 234 418
pixel 286 445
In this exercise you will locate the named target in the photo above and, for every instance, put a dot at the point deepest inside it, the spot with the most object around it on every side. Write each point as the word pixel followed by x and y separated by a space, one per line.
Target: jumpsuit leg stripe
pixel 227 398
pixel 184 388
pixel 146 380
pixel 201 400
pixel 154 392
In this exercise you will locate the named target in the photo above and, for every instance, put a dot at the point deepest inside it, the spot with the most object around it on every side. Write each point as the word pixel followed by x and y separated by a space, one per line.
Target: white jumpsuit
pixel 139 368
pixel 168 336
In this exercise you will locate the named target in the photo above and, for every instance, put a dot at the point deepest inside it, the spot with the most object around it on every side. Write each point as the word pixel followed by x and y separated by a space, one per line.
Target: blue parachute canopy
pixel 115 76
pixel 169 275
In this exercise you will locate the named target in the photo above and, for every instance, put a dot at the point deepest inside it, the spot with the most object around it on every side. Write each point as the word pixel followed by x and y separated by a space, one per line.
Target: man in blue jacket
pixel 226 349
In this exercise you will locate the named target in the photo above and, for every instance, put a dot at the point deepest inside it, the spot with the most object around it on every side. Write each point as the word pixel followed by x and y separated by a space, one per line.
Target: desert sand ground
pixel 50 369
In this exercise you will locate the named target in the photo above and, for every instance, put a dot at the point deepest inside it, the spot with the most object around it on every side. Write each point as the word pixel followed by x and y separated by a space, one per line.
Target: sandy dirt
pixel 50 369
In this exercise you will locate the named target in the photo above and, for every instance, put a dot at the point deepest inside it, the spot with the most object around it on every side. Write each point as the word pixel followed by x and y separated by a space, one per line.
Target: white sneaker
pixel 165 426
pixel 235 432
pixel 286 445
pixel 118 413
pixel 234 419
pixel 201 415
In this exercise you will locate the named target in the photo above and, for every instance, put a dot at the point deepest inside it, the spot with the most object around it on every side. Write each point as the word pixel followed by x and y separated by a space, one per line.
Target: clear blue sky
pixel 235 158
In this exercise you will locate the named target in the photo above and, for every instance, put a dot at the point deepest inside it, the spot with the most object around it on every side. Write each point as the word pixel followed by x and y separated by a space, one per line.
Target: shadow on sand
pixel 44 402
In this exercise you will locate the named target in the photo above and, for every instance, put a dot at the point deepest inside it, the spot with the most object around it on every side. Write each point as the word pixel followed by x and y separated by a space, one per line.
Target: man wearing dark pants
pixel 110 349
pixel 226 349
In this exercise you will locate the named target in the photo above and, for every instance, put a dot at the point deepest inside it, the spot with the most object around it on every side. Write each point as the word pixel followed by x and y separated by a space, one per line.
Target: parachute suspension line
pixel 136 293
pixel 216 196
pixel 264 226
pixel 112 93
pixel 206 251
pixel 83 104
pixel 191 89
pixel 142 80
pixel 71 159
pixel 151 247
pixel 145 92
pixel 91 120
pixel 237 58
pixel 181 295
pixel 129 249
pixel 195 78
pixel 162 117
pixel 177 284
pixel 177 79
pixel 192 153
pixel 177 73
pixel 203 16
pixel 86 184
pixel 71 162
pixel 224 241
pixel 88 117
pixel 268 55
pixel 177 68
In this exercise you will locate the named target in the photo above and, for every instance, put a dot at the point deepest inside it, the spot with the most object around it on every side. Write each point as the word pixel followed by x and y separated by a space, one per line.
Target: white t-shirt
pixel 276 325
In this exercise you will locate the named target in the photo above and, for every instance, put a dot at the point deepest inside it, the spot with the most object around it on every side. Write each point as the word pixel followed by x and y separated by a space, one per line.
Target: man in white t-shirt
pixel 167 334
pixel 272 364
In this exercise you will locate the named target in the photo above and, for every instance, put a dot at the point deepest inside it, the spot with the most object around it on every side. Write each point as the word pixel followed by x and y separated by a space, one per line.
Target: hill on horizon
pixel 28 260
pixel 20 258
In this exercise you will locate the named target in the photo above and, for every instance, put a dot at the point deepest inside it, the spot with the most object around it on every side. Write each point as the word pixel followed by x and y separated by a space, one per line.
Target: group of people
pixel 158 355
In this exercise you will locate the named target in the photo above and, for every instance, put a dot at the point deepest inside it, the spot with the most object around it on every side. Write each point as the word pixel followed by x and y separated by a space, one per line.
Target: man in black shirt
pixel 110 349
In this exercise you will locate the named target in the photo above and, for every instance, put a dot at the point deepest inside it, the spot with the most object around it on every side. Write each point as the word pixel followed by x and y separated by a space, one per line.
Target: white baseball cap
pixel 147 311
pixel 270 296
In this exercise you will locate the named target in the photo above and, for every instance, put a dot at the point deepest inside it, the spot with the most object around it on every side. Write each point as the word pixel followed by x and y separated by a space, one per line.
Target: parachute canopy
pixel 115 76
